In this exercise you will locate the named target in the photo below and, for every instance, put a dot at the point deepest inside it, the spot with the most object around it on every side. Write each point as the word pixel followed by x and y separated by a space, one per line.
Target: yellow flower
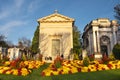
pixel 92 68
pixel 7 63
pixel 74 70
pixel 26 62
pixel 6 68
pixel 24 71
pixel 15 72
pixel 9 72
pixel 65 71
pixel 1 67
pixel 84 69
pixel 48 73
pixel 1 71
pixel 118 62
pixel 55 72
pixel 30 66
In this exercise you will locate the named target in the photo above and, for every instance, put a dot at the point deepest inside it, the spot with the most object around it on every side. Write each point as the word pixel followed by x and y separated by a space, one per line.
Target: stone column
pixel 94 41
pixel 111 41
pixel 114 35
pixel 114 24
pixel 98 41
pixel 89 38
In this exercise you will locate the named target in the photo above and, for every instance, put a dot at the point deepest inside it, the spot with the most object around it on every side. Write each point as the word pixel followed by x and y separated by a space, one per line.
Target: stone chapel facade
pixel 55 36
pixel 100 36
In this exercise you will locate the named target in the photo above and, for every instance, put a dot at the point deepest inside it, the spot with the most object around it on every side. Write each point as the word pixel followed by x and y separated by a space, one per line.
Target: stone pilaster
pixel 94 41
pixel 98 41
pixel 114 35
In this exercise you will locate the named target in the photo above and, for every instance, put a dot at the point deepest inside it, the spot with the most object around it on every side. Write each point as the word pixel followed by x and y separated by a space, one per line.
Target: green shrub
pixel 91 57
pixel 116 51
pixel 111 56
pixel 105 59
pixel 86 61
pixel 58 62
pixel 76 56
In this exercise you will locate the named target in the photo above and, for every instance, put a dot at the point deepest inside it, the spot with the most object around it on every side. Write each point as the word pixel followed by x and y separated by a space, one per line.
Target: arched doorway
pixel 104 44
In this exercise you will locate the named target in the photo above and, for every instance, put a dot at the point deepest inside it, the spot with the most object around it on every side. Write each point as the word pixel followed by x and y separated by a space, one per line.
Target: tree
pixel 76 40
pixel 24 42
pixel 3 42
pixel 35 41
pixel 117 11
pixel 2 38
pixel 10 44
pixel 116 51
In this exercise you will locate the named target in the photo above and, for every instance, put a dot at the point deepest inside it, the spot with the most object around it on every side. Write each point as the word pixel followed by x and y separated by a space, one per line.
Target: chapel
pixel 55 36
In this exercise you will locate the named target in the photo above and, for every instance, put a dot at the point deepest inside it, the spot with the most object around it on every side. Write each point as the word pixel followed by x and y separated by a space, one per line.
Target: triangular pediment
pixel 56 18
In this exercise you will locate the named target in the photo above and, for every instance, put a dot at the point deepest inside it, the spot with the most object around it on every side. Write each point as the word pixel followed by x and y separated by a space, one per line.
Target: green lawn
pixel 99 75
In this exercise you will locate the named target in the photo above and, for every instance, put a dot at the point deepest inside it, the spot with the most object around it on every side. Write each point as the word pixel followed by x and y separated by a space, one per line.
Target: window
pixel 55 47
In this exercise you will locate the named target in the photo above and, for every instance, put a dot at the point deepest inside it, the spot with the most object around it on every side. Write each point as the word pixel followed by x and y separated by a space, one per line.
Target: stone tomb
pixel 56 37
pixel 14 53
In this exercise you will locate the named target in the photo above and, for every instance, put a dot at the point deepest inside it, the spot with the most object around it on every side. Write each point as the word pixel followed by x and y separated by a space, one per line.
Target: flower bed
pixel 9 70
pixel 69 67
pixel 19 68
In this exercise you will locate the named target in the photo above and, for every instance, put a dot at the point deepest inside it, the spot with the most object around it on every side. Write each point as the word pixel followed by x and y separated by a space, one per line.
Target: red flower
pixel 43 74
pixel 109 65
pixel 70 72
pixel 79 69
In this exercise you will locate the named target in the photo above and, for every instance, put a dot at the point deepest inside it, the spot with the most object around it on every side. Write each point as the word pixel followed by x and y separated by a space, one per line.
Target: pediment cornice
pixel 56 17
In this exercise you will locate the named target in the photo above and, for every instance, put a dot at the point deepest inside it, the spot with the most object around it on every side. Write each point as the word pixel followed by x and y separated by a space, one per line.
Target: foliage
pixel 76 40
pixel 91 57
pixel 105 59
pixel 24 57
pixel 76 56
pixel 117 11
pixel 3 43
pixel 5 58
pixel 86 61
pixel 111 57
pixel 15 63
pixel 58 62
pixel 24 42
pixel 35 41
pixel 116 51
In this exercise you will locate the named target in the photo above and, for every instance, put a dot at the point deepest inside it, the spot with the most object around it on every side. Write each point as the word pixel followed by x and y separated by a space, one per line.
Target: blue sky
pixel 18 18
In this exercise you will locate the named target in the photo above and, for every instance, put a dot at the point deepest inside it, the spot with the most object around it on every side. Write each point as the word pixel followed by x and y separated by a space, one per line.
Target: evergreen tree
pixel 116 51
pixel 3 42
pixel 35 41
pixel 76 40
pixel 117 11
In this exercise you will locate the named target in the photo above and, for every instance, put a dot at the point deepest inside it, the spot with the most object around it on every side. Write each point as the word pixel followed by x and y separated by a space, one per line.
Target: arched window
pixel 104 40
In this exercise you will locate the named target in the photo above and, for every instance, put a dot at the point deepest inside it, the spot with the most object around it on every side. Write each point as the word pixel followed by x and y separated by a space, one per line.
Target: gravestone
pixel 84 53
pixel 14 53
pixel 3 52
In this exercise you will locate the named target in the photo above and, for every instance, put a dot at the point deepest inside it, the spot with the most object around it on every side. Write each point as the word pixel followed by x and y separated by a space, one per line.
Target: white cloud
pixel 10 9
pixel 35 4
pixel 8 27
